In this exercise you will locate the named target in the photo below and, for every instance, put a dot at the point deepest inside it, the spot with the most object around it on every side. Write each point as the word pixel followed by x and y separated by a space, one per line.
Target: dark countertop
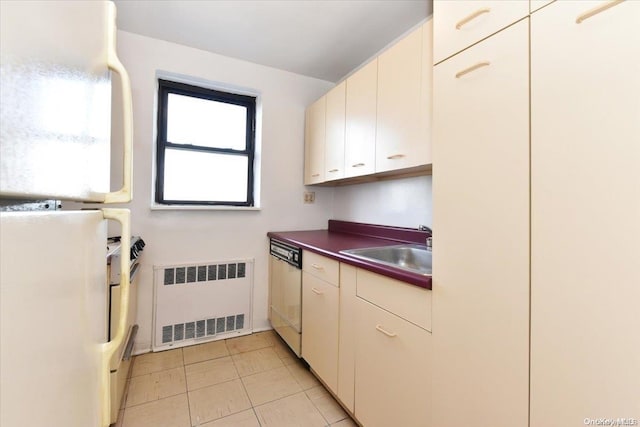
pixel 343 235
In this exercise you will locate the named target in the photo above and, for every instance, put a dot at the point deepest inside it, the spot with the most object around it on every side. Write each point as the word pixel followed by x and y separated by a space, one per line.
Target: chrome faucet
pixel 429 241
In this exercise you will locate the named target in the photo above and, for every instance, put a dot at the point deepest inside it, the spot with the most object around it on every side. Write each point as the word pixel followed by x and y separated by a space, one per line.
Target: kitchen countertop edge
pixel 330 243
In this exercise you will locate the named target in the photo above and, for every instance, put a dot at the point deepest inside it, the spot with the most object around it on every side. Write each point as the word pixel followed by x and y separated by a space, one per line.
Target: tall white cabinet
pixel 585 212
pixel 481 233
pixel 536 214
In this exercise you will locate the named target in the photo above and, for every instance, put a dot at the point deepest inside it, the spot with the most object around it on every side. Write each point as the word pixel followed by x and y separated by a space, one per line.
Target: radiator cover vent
pixel 203 301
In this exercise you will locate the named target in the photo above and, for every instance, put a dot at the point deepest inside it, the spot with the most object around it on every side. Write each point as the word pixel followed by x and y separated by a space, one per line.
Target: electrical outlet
pixel 309 196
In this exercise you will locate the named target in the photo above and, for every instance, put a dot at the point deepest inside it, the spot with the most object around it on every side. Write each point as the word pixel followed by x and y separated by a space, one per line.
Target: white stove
pixel 121 361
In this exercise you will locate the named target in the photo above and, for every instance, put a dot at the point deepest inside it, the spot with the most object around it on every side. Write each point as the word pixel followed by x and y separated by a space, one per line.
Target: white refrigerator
pixel 56 65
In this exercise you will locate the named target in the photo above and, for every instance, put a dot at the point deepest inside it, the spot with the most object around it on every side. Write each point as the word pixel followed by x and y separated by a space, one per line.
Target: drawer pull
pixel 387 333
pixel 317 267
pixel 471 17
pixel 395 156
pixel 315 175
pixel 334 170
pixel 472 68
pixel 596 10
pixel 317 292
pixel 357 165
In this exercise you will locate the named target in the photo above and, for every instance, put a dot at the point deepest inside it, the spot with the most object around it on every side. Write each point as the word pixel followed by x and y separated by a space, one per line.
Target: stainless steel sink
pixel 414 258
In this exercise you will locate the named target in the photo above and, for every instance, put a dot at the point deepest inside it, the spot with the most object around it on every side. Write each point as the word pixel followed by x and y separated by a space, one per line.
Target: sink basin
pixel 414 258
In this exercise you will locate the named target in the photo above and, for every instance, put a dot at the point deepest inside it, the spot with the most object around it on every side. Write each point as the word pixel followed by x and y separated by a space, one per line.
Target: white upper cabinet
pixel 379 119
pixel 461 23
pixel 398 125
pixel 360 133
pixel 55 102
pixel 585 211
pixel 335 129
pixel 314 142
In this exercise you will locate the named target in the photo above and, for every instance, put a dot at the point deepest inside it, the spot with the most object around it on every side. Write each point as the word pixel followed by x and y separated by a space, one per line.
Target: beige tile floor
pixel 249 381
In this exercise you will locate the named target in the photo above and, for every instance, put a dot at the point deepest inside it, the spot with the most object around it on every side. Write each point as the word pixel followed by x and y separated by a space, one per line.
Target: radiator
pixel 200 302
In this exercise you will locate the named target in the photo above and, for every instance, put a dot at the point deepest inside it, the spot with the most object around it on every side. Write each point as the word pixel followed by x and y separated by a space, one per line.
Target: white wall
pixel 401 202
pixel 186 236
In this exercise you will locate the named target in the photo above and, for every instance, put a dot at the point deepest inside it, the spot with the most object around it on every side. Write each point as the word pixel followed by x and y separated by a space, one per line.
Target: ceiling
pixel 325 39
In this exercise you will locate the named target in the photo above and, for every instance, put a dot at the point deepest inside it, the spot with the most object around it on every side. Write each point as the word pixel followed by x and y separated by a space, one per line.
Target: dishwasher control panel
pixel 286 252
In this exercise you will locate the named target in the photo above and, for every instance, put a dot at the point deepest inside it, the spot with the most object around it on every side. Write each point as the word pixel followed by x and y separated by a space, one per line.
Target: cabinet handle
pixel 472 68
pixel 588 14
pixel 334 170
pixel 471 17
pixel 357 165
pixel 317 267
pixel 317 292
pixel 315 175
pixel 387 333
pixel 395 156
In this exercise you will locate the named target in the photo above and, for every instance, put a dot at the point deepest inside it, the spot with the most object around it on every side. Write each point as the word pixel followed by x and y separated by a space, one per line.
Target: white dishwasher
pixel 285 292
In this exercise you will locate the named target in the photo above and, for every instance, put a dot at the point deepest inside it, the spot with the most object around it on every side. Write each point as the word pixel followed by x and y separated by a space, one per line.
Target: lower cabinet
pixel 367 337
pixel 346 344
pixel 392 375
pixel 320 317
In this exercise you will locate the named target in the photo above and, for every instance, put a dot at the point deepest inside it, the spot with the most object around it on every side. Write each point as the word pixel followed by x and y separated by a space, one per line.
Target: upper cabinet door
pixel 55 102
pixel 360 136
pixel 398 125
pixel 314 141
pixel 585 211
pixel 334 141
pixel 460 23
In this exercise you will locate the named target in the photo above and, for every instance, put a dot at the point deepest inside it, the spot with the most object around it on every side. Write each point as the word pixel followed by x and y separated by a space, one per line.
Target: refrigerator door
pixel 53 314
pixel 55 103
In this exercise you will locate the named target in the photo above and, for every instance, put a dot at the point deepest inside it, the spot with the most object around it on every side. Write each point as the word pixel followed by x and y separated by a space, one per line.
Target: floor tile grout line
pixel 275 400
pixel 253 408
pixel 153 372
pixel 155 400
pixel 186 386
pixel 317 409
pixel 211 385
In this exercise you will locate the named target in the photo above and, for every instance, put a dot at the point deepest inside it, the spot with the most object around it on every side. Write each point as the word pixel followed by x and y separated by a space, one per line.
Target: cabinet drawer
pixel 459 24
pixel 402 299
pixel 322 267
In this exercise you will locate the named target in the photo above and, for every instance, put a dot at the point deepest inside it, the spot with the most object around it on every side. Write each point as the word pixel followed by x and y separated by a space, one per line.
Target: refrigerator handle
pixel 109 348
pixel 123 195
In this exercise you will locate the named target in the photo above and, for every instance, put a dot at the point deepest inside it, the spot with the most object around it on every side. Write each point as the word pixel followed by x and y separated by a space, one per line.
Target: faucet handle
pixel 424 228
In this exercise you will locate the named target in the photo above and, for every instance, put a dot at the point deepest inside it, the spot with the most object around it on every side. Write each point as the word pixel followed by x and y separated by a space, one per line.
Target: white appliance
pixel 285 293
pixel 55 64
pixel 120 363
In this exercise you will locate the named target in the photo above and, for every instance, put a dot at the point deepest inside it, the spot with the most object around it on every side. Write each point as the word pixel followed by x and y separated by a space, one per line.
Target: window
pixel 205 147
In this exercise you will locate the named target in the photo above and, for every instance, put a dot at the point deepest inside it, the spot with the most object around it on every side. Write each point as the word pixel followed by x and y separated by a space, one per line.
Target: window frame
pixel 166 87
